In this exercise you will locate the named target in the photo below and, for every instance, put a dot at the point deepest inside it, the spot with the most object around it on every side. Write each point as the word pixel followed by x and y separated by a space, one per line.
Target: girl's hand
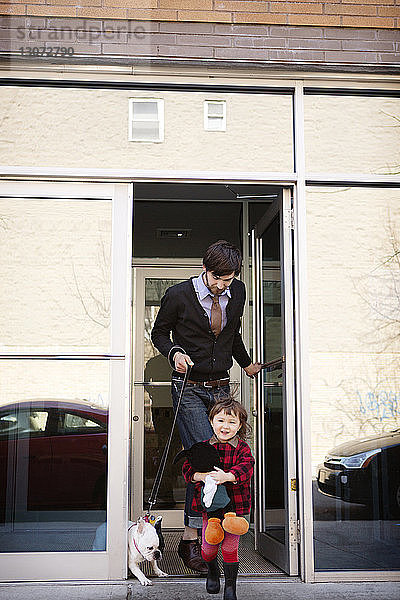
pixel 220 476
pixel 200 477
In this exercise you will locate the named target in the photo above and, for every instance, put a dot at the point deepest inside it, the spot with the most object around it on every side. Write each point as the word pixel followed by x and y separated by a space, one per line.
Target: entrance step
pixel 250 562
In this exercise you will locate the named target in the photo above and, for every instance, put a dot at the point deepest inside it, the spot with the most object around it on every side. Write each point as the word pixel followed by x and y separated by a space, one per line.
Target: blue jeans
pixel 194 426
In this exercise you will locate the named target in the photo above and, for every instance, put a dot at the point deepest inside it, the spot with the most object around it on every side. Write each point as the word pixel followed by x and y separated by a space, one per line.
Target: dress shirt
pixel 205 297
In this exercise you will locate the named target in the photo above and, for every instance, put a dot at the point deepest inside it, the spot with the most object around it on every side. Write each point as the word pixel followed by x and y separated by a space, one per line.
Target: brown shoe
pixel 190 553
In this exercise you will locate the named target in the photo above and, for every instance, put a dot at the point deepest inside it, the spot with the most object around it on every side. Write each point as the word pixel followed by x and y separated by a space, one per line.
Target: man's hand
pixel 220 476
pixel 181 361
pixel 253 369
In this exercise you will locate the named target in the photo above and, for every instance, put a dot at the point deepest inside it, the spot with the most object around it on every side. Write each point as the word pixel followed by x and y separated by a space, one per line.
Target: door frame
pixel 283 555
pixel 111 563
pixel 172 519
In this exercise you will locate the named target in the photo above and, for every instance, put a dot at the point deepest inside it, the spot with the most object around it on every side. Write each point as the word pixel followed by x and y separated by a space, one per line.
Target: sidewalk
pixel 194 589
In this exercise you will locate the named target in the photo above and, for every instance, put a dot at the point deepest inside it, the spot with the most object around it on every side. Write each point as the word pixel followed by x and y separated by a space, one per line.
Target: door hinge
pixel 294 531
pixel 289 218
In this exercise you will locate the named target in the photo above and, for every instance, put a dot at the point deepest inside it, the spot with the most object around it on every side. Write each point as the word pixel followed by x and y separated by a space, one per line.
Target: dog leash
pixel 157 481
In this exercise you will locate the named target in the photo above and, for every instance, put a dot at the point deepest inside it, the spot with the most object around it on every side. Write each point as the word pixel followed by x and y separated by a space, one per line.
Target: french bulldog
pixel 145 542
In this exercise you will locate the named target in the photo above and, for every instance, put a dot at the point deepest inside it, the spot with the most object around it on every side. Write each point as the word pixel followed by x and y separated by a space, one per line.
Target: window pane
pixel 26 421
pixel 261 122
pixel 352 134
pixel 72 422
pixel 53 455
pixel 146 130
pixel 215 109
pixel 145 110
pixel 55 274
pixel 215 123
pixel 354 302
pixel 158 410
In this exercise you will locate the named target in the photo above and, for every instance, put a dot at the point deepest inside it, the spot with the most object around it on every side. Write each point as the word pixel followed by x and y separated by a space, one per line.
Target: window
pixel 17 422
pixel 146 120
pixel 215 115
pixel 75 423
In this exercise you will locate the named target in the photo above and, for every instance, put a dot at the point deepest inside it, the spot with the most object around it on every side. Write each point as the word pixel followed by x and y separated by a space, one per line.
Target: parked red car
pixel 53 456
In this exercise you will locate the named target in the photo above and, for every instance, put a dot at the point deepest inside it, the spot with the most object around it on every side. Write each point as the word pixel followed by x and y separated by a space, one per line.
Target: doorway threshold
pixel 251 563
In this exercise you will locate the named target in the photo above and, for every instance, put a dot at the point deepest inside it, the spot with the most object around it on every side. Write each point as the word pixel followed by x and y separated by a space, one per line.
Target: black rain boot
pixel 212 583
pixel 231 572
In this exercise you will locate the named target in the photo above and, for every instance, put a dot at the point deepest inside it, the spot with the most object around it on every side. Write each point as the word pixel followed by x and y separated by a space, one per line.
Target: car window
pixel 23 421
pixel 75 423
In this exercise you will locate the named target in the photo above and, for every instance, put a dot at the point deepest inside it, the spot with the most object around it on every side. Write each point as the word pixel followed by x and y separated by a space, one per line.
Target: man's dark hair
pixel 223 258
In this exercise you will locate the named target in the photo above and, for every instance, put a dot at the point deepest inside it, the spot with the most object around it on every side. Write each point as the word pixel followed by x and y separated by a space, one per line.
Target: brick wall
pixel 342 13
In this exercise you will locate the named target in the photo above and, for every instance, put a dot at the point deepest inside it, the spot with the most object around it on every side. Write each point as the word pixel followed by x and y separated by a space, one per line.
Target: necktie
pixel 216 316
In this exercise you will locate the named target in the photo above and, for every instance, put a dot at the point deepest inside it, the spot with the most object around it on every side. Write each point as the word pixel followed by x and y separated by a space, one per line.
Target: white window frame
pixel 160 120
pixel 207 116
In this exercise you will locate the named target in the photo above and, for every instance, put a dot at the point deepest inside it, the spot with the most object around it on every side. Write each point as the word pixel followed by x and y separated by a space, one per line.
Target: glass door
pixel 276 502
pixel 152 404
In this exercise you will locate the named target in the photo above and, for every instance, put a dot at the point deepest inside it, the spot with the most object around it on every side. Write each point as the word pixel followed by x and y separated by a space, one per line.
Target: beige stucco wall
pixel 57 380
pixel 89 128
pixel 55 273
pixel 352 135
pixel 353 314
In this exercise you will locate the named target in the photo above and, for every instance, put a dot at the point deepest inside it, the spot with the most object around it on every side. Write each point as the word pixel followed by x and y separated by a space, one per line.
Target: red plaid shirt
pixel 236 458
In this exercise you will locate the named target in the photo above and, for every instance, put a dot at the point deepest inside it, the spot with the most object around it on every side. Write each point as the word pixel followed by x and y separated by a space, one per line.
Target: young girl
pixel 229 422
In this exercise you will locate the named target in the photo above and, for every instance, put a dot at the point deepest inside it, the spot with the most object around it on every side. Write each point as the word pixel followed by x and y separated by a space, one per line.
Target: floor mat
pixel 251 563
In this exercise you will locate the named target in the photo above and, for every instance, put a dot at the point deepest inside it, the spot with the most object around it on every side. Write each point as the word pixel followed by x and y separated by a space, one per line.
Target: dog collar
pixel 137 547
pixel 147 519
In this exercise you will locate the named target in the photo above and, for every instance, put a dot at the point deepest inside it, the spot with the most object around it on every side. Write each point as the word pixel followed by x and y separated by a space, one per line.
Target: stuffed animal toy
pixel 203 457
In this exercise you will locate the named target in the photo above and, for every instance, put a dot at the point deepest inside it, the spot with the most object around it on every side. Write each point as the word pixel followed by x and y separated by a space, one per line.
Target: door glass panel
pixel 275 516
pixel 53 455
pixel 158 409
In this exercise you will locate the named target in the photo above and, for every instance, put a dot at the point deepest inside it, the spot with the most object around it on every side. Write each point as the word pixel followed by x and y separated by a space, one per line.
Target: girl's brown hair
pixel 232 407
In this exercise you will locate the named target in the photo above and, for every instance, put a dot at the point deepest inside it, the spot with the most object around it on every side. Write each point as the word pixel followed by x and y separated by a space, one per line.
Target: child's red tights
pixel 229 546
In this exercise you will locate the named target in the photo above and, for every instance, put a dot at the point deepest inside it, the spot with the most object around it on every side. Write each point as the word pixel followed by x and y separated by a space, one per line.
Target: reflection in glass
pixel 53 455
pixel 256 122
pixel 55 273
pixel 355 409
pixel 159 412
pixel 351 134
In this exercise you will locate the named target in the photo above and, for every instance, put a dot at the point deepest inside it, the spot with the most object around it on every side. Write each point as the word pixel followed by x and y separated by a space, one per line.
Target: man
pixel 203 314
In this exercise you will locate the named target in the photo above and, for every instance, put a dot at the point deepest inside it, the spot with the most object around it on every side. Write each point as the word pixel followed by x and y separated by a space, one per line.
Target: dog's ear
pixel 141 524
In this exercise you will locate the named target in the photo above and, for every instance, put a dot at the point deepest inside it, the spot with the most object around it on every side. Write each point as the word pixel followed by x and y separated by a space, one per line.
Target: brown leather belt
pixel 211 384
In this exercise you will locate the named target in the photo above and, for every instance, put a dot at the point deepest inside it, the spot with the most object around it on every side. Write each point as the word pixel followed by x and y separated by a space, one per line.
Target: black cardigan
pixel 182 314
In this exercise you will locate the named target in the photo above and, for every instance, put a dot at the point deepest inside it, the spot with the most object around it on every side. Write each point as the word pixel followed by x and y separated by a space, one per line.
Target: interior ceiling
pixel 181 220
pixel 203 191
